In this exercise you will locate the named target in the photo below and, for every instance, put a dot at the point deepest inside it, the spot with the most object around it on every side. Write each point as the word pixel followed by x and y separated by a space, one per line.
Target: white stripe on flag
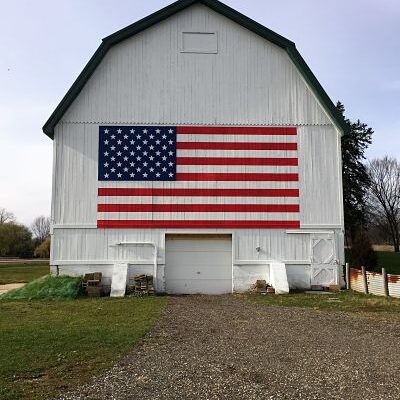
pixel 201 184
pixel 237 153
pixel 195 200
pixel 236 138
pixel 270 169
pixel 239 216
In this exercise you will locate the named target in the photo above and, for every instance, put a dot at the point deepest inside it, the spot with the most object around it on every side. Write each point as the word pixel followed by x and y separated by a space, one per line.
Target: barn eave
pixel 170 10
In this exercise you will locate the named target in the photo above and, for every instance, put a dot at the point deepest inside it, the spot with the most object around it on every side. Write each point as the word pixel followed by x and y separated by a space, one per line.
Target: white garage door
pixel 198 264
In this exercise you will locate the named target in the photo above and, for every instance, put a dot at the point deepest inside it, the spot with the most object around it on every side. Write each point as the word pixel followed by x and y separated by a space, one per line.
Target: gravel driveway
pixel 223 347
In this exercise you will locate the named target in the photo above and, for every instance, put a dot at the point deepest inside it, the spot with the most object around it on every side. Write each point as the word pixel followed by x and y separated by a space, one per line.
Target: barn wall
pixel 79 250
pixel 147 79
pixel 320 176
pixel 107 270
pixel 76 244
pixel 75 188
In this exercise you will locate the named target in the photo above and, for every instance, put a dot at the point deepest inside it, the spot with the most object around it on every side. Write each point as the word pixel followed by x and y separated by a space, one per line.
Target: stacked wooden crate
pixel 92 284
pixel 141 285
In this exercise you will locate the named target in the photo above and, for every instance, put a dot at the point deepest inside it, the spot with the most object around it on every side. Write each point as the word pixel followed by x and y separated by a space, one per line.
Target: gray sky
pixel 352 46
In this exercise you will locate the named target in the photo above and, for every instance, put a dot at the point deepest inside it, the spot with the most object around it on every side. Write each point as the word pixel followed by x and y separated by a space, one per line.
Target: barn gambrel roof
pixel 168 11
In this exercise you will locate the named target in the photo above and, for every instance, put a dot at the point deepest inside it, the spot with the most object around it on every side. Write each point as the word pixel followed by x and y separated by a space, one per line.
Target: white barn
pixel 256 159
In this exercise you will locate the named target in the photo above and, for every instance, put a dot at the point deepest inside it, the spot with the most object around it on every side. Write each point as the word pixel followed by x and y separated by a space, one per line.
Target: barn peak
pixel 170 10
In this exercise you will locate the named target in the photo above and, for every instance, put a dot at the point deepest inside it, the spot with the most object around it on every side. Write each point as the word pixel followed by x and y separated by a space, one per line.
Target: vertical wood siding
pixel 320 176
pixel 97 245
pixel 146 79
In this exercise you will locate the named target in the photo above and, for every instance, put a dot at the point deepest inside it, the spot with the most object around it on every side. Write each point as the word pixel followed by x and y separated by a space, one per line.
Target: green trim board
pixel 170 10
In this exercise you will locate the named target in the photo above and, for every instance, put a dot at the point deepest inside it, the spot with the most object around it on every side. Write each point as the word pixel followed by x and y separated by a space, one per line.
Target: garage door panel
pixel 196 286
pixel 196 264
pixel 200 272
pixel 198 258
pixel 200 245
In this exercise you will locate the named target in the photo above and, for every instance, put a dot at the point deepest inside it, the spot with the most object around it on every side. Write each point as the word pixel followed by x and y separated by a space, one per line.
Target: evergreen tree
pixel 355 176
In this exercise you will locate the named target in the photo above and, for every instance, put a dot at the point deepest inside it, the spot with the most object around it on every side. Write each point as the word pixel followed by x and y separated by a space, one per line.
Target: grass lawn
pixel 344 301
pixel 390 261
pixel 24 272
pixel 48 347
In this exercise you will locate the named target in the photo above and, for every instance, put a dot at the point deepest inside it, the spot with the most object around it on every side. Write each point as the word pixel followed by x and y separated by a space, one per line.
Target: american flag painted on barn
pixel 198 177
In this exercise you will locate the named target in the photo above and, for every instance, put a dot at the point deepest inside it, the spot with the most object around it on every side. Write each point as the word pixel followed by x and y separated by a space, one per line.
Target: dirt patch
pixel 10 286
pixel 223 347
pixel 383 247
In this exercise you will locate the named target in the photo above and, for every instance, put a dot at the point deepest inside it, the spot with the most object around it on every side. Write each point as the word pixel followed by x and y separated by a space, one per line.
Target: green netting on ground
pixel 48 287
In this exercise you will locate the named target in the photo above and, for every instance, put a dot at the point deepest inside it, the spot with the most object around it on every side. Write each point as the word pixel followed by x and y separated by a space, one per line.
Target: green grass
pixel 24 272
pixel 348 301
pixel 49 288
pixel 386 259
pixel 390 261
pixel 49 347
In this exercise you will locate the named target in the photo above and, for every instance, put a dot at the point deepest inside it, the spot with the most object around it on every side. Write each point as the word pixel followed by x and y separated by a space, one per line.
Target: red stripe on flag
pixel 198 208
pixel 196 224
pixel 234 146
pixel 233 130
pixel 236 161
pixel 198 192
pixel 188 176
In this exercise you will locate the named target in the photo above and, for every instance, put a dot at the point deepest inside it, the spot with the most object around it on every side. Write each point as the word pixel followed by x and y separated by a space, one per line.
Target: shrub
pixel 362 253
pixel 43 250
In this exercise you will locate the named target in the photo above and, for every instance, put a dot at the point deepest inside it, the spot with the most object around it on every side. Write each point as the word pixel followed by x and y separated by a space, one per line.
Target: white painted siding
pixel 96 245
pixel 146 79
pixel 76 249
pixel 246 275
pixel 320 176
pixel 75 180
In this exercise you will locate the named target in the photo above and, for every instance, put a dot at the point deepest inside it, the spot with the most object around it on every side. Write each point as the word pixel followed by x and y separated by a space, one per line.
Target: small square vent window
pixel 199 42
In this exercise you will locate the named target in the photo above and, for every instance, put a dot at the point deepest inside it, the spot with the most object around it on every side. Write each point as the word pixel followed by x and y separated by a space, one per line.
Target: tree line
pixel 371 195
pixel 18 240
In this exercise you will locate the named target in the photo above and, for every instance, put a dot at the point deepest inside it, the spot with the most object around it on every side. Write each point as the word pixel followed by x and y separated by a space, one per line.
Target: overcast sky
pixel 352 47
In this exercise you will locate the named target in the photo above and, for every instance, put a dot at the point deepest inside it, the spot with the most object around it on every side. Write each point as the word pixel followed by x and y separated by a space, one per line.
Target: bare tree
pixel 384 199
pixel 41 228
pixel 6 216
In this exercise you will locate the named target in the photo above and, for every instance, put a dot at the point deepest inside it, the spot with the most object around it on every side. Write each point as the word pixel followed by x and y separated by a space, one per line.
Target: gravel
pixel 224 347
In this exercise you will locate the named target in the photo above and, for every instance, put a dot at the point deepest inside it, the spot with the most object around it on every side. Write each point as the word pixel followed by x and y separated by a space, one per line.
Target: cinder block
pixel 317 287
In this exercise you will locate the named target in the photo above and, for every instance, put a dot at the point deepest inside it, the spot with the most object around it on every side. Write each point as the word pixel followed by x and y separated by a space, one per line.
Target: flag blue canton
pixel 137 153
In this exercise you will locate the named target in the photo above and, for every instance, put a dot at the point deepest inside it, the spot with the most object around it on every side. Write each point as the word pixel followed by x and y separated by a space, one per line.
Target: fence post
pixel 347 276
pixel 385 283
pixel 364 275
